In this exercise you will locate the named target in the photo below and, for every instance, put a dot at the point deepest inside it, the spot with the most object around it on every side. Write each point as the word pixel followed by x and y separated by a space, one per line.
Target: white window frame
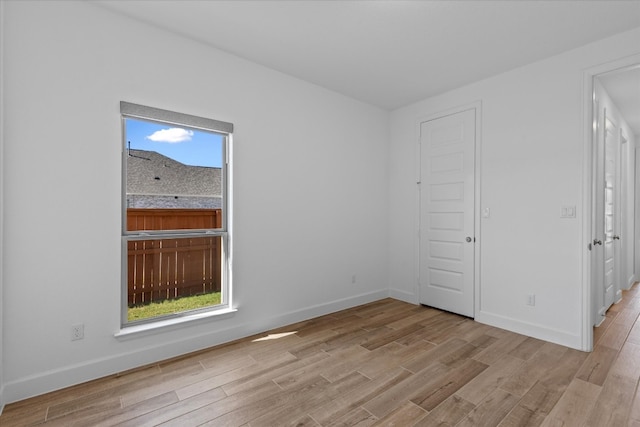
pixel 140 112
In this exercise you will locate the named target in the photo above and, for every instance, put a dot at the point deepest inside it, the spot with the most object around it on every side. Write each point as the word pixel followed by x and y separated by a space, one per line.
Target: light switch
pixel 568 212
pixel 486 213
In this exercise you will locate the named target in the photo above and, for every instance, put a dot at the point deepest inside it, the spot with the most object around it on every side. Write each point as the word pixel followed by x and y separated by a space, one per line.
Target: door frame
pixel 587 197
pixel 627 228
pixel 437 114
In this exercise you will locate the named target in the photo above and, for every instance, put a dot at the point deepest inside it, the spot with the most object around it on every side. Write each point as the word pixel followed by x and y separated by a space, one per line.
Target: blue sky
pixel 189 146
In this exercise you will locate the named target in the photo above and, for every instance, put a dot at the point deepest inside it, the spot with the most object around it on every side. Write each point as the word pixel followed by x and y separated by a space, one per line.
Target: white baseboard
pixel 403 296
pixel 56 379
pixel 532 330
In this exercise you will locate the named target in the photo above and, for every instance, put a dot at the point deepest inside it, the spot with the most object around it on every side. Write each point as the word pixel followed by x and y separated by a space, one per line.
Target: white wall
pixel 311 185
pixel 532 155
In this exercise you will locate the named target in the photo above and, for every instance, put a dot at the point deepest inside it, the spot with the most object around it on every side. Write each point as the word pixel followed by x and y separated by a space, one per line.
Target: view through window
pixel 175 216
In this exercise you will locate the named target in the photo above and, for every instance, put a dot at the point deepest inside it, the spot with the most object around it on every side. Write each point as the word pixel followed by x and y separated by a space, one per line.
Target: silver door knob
pixel 468 239
pixel 597 242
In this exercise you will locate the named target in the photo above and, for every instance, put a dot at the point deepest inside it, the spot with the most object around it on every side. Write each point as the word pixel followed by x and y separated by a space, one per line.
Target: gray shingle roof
pixel 149 172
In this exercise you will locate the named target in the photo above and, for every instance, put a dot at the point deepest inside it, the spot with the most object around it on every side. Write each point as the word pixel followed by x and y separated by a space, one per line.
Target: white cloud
pixel 171 135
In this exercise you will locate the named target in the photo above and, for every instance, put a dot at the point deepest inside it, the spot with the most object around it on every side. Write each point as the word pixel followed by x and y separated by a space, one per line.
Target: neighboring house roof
pixel 149 172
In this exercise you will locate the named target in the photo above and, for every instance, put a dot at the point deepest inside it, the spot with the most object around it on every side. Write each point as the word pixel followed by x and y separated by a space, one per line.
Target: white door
pixel 447 242
pixel 597 230
pixel 611 217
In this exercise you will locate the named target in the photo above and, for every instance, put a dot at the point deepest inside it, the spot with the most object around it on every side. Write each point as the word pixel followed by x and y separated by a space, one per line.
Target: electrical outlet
pixel 77 332
pixel 353 279
pixel 531 300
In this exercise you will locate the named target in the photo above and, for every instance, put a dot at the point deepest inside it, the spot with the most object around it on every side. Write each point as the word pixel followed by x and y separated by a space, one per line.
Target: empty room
pixel 267 213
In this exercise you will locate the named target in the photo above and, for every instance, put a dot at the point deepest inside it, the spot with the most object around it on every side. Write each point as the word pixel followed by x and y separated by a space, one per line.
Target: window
pixel 176 211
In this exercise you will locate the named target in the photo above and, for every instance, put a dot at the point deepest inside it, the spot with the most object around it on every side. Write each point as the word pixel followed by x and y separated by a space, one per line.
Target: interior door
pixel 597 213
pixel 447 241
pixel 611 154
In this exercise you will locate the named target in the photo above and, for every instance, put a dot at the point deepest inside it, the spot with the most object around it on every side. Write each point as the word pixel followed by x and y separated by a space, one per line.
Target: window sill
pixel 168 324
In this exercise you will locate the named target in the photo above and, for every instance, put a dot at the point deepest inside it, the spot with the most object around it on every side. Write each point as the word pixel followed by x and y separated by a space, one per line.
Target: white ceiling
pixel 388 53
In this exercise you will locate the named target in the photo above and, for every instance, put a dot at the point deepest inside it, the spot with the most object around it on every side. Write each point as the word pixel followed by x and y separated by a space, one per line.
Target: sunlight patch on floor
pixel 274 336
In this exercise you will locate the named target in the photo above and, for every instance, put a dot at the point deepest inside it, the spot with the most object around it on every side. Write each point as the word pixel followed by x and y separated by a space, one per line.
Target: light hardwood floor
pixel 384 363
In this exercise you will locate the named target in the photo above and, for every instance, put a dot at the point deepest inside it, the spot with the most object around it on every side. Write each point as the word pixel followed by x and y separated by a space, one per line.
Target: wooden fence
pixel 173 219
pixel 162 269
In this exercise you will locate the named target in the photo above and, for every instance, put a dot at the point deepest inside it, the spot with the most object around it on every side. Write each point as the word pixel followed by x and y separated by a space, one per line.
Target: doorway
pixel 612 109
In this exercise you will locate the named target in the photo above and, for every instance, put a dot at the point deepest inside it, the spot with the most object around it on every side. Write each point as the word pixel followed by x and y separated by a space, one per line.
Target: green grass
pixel 162 308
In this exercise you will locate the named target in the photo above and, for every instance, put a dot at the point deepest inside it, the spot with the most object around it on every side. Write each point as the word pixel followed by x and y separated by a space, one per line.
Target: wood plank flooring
pixel 385 363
